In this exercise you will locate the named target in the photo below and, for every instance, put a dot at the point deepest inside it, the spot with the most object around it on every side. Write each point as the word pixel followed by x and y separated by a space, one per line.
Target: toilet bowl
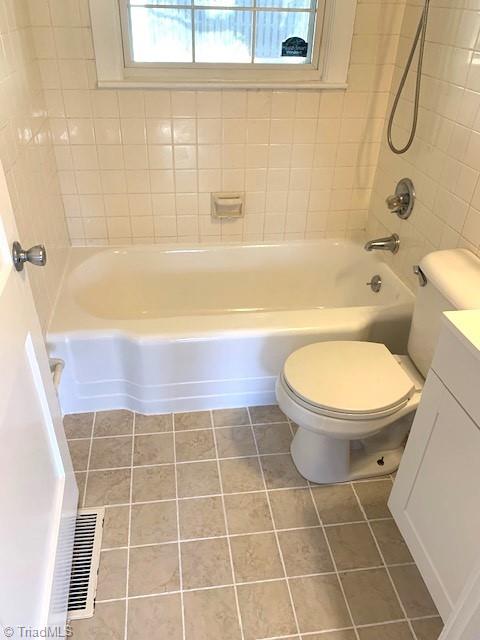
pixel 354 402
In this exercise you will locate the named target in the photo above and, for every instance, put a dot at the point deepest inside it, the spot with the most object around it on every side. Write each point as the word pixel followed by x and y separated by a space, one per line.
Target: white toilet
pixel 354 402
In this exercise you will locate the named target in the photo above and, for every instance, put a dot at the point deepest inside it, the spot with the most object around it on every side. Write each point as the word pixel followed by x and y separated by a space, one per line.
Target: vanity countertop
pixel 466 324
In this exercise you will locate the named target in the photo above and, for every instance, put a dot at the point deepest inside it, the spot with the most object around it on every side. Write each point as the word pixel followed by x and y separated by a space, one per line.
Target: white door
pixel 38 493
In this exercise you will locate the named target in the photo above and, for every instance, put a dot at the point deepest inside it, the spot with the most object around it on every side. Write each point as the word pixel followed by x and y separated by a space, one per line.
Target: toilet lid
pixel 348 377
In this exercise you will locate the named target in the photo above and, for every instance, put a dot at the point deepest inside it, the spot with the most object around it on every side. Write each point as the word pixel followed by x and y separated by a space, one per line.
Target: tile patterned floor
pixel 211 534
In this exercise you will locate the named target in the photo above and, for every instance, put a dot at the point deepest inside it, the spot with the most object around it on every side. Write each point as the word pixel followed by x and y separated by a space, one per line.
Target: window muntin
pixel 213 32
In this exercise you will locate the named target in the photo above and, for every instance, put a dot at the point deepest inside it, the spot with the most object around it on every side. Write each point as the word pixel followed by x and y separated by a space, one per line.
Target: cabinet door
pixel 436 498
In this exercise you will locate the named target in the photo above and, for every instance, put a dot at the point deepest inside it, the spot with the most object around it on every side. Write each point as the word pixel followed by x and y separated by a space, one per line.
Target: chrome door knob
pixel 36 255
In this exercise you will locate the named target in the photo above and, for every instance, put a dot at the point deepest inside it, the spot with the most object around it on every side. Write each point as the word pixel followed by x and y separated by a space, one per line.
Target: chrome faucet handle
pixel 422 278
pixel 403 200
pixel 396 202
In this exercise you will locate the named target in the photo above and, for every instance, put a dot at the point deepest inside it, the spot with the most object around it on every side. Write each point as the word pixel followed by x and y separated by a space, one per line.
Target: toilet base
pixel 325 460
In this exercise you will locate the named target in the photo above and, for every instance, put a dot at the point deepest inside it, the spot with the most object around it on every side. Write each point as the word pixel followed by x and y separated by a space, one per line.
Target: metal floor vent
pixel 85 561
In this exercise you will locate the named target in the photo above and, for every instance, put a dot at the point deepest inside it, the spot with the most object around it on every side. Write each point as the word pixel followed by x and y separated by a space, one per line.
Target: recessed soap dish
pixel 228 205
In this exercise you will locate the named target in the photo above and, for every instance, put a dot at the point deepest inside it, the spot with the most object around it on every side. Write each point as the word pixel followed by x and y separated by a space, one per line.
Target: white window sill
pixel 145 84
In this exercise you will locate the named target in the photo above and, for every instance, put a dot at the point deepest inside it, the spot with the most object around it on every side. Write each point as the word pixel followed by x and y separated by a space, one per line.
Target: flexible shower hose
pixel 420 36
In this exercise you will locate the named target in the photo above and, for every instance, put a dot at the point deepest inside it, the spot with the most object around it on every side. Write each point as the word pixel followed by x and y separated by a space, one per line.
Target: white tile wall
pixel 139 166
pixel 444 161
pixel 26 151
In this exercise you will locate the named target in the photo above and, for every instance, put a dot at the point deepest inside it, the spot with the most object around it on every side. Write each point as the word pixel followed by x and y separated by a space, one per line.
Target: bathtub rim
pixel 73 321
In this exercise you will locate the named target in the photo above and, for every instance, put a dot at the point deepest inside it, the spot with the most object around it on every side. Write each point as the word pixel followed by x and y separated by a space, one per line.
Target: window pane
pixel 224 3
pixel 275 28
pixel 161 35
pixel 223 36
pixel 287 4
pixel 143 3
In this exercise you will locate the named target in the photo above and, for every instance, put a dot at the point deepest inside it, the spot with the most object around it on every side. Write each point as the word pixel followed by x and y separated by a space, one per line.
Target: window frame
pixel 328 68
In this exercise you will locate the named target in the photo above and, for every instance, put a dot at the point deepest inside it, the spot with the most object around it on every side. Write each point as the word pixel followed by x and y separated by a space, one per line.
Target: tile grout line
pixel 296 576
pixel 332 557
pixel 275 532
pixel 372 533
pixel 236 493
pixel 88 460
pixel 227 530
pixel 266 580
pixel 253 533
pixel 129 533
pixel 179 546
pixel 220 427
pixel 186 462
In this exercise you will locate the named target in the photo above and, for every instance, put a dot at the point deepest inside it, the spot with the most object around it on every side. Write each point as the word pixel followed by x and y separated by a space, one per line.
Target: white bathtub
pixel 159 329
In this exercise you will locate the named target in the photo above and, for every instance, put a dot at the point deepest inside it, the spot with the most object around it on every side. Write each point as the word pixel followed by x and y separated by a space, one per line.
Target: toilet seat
pixel 348 380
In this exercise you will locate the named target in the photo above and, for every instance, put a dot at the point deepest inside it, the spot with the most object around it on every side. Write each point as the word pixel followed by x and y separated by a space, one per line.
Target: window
pixel 220 31
pixel 221 43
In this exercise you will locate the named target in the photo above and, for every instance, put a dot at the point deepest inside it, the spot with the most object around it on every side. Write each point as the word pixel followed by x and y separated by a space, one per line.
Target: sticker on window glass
pixel 295 48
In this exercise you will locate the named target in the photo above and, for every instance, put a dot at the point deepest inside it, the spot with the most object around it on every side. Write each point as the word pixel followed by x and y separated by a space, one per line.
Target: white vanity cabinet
pixel 436 496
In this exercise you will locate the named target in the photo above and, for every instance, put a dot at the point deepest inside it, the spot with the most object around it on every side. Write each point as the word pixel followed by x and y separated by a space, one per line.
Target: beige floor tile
pixel 206 563
pixel 234 442
pixel 81 478
pixel 192 420
pixel 79 450
pixel 391 542
pixel 256 557
pixel 153 483
pixel 267 414
pixel 395 631
pixel 230 417
pixel 78 425
pixel 273 438
pixel 113 423
pixel 201 518
pixel 266 610
pixel 371 596
pixel 195 445
pixel 280 472
pixel 305 551
pixel 211 615
pixel 112 575
pixel 337 503
pixel 110 453
pixel 153 424
pixel 374 497
pixel 319 603
pixel 197 479
pixel 154 523
pixel 242 474
pixel 154 449
pixel 248 512
pixel 412 591
pixel 428 629
pixel 293 508
pixel 353 546
pixel 108 487
pixel 347 634
pixel 108 623
pixel 156 618
pixel 115 527
pixel 153 570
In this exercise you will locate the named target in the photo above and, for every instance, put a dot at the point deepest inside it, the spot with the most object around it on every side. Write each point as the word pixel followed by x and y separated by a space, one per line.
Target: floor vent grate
pixel 85 561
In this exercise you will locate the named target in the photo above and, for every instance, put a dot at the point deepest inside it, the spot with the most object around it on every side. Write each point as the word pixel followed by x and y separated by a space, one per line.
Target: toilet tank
pixel 453 282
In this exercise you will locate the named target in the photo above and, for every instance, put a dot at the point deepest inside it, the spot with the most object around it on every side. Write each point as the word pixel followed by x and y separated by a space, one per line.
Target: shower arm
pixel 420 35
